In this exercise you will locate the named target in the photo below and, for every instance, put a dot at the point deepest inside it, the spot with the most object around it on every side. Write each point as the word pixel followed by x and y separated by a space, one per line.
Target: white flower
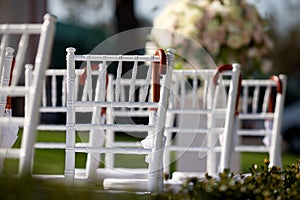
pixel 235 41
pixel 189 31
pixel 233 26
pixel 253 52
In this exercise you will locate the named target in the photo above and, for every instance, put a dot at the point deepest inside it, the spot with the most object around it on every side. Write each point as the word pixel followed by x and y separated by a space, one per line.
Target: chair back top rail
pixel 154 59
pixel 260 87
pixel 122 58
pixel 20 28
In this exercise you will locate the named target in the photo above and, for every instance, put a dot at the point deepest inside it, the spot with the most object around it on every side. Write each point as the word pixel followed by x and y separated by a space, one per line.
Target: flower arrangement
pixel 229 30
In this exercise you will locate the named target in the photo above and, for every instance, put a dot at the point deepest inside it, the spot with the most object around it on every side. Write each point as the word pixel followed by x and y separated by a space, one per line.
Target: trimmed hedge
pixel 262 182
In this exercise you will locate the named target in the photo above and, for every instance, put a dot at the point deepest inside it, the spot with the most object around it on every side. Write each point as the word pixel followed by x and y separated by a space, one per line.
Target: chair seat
pixel 138 184
pixel 118 173
pixel 125 184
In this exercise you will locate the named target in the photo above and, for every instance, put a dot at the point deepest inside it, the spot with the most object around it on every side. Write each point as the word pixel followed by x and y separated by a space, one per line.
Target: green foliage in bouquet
pixel 229 30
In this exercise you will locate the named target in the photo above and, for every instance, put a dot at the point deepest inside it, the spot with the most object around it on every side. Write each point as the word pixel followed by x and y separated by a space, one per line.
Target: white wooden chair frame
pixel 33 93
pixel 158 107
pixel 211 97
pixel 269 110
pixel 174 109
pixel 110 135
pixel 50 105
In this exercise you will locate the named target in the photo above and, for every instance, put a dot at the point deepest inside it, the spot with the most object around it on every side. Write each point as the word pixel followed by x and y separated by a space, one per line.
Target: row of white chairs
pixel 258 118
pixel 96 105
pixel 188 91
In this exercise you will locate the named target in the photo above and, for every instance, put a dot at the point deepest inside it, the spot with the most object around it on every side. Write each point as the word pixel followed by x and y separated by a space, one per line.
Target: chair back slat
pixel 118 80
pixel 132 83
pixel 20 58
pixel 3 45
pixel 266 99
pixel 5 76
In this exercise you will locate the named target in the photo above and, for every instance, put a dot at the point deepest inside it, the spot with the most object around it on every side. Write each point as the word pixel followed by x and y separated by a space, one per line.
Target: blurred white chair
pixel 193 95
pixel 23 35
pixel 5 75
pixel 131 115
pixel 201 97
pixel 260 117
pixel 54 100
pixel 54 104
pixel 8 134
pixel 104 97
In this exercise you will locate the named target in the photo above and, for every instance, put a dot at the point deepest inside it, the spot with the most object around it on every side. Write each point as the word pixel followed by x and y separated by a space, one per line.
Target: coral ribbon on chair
pixel 224 68
pixel 8 100
pixel 159 68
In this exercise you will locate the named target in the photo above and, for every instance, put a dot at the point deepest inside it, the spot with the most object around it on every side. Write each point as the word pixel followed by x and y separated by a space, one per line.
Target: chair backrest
pixel 260 117
pixel 157 79
pixel 202 108
pixel 53 97
pixel 132 116
pixel 52 126
pixel 32 94
pixel 192 92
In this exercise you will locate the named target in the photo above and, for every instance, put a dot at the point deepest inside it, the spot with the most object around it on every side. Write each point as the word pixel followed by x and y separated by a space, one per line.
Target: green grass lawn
pixel 248 159
pixel 48 161
pixel 52 161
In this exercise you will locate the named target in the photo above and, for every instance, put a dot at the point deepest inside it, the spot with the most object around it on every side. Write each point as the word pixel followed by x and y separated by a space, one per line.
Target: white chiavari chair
pixel 132 115
pixel 260 117
pixel 54 103
pixel 104 97
pixel 201 97
pixel 23 35
pixel 193 93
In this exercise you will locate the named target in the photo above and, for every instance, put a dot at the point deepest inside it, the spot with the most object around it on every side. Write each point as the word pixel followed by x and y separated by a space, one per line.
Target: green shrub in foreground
pixel 262 183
